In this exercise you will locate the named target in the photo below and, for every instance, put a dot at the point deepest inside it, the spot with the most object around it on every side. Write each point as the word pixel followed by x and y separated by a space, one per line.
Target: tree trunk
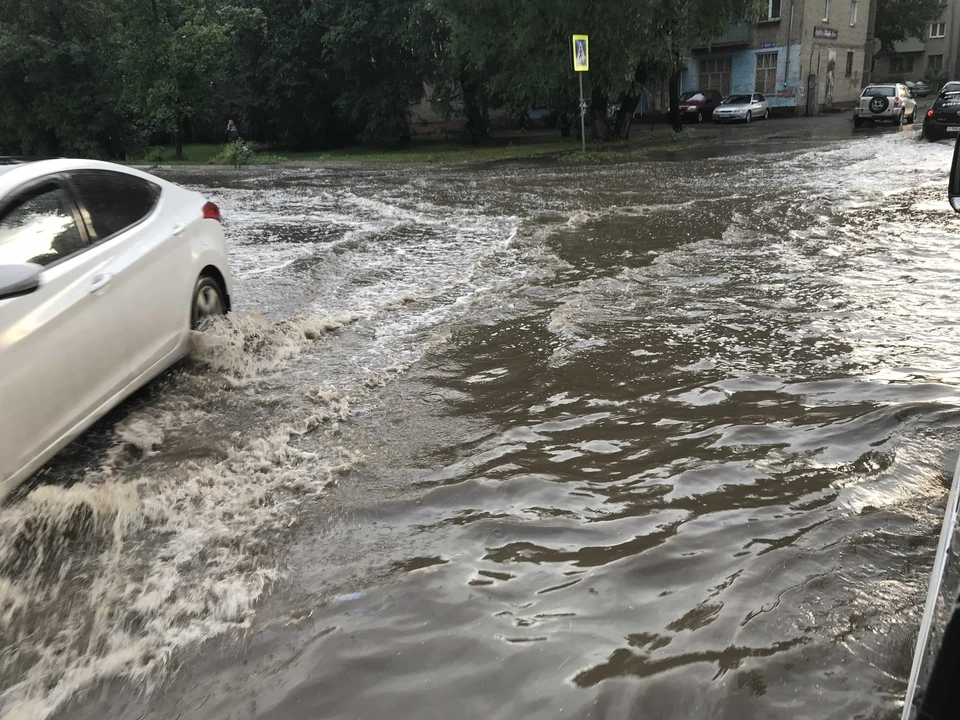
pixel 476 121
pixel 178 139
pixel 599 129
pixel 675 118
pixel 621 127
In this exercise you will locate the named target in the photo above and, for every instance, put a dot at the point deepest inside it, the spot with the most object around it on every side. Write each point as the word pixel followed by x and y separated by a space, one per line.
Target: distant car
pixel 952 86
pixel 943 119
pixel 104 272
pixel 919 88
pixel 743 108
pixel 699 104
pixel 885 102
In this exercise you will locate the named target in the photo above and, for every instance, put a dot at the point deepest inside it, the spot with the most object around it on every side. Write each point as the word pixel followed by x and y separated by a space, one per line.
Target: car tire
pixel 900 117
pixel 857 121
pixel 913 116
pixel 209 302
pixel 766 114
pixel 748 117
pixel 879 104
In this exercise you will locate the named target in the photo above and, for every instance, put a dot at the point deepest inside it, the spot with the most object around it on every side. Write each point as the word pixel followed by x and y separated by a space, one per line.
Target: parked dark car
pixel 699 104
pixel 943 119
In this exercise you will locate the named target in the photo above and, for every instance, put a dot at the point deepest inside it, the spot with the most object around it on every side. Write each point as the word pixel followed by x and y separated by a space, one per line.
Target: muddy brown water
pixel 645 440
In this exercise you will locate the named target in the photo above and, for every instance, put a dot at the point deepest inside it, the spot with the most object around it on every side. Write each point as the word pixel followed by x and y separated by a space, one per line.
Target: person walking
pixel 232 133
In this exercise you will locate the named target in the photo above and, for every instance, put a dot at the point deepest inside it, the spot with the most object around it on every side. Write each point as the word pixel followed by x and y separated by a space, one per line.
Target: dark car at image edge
pixel 943 119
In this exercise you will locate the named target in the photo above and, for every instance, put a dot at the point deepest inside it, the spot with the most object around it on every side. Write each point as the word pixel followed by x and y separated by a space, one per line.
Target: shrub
pixel 236 153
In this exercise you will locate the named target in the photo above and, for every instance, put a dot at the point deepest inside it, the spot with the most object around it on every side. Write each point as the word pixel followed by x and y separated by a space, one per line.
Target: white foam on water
pixel 116 575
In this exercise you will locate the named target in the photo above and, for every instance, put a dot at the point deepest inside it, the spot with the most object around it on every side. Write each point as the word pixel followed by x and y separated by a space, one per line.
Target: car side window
pixel 40 228
pixel 758 98
pixel 114 201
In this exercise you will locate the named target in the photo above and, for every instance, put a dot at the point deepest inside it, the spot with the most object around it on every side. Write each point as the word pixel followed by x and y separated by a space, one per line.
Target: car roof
pixel 15 171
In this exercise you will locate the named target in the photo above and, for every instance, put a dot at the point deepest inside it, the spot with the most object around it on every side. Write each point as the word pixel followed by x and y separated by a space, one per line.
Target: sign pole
pixel 583 133
pixel 581 64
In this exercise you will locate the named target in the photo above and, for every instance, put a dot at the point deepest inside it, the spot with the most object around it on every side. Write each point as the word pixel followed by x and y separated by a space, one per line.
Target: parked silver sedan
pixel 743 108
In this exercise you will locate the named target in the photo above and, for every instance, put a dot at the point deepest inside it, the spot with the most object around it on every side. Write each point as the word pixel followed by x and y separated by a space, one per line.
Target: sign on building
pixel 825 33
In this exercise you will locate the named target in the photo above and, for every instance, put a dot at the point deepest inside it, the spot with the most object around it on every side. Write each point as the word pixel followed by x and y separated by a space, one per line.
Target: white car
pixel 887 101
pixel 743 108
pixel 104 272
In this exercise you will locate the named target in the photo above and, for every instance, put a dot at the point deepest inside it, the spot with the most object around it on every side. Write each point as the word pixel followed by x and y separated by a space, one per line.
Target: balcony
pixel 737 35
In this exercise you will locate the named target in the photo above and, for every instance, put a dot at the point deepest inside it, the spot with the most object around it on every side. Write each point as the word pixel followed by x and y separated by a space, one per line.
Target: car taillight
pixel 896 102
pixel 212 212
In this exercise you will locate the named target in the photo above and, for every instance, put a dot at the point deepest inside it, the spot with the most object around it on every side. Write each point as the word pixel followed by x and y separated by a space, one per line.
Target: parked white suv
pixel 887 101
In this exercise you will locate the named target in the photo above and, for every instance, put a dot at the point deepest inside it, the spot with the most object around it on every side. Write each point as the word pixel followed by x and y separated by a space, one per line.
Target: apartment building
pixel 937 53
pixel 804 55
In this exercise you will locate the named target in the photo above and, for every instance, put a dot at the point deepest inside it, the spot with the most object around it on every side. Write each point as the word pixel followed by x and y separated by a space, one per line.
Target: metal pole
pixel 583 131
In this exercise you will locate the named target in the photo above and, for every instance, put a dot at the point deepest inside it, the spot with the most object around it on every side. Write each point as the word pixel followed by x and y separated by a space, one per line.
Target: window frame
pixel 725 88
pixel 899 63
pixel 94 239
pixel 939 65
pixel 769 16
pixel 768 72
pixel 826 11
pixel 941 26
pixel 35 188
pixel 848 69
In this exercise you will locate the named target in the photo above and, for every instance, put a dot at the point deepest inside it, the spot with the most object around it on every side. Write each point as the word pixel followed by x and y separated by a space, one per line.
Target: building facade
pixel 804 55
pixel 935 56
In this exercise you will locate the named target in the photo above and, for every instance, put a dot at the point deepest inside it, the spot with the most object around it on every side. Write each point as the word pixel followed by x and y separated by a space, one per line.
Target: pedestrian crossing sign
pixel 581 53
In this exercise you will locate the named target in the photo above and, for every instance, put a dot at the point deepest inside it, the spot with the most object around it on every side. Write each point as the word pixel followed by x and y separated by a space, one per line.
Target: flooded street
pixel 663 439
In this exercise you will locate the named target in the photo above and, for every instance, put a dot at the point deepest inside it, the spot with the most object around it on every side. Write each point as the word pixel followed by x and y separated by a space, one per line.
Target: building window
pixel 934 63
pixel 715 74
pixel 901 64
pixel 849 70
pixel 826 10
pixel 766 82
pixel 938 29
pixel 773 10
pixel 853 12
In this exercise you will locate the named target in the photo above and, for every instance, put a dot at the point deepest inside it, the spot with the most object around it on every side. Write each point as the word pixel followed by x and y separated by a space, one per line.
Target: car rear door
pixel 60 344
pixel 152 272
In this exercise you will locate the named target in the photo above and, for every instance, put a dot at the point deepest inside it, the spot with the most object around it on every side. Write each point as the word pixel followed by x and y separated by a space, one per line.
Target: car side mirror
pixel 17 280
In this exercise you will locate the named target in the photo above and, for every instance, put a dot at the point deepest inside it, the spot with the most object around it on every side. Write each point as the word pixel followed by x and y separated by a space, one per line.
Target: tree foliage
pixel 111 77
pixel 901 19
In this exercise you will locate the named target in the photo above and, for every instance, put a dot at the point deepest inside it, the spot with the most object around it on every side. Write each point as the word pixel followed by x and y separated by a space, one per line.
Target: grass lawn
pixel 436 151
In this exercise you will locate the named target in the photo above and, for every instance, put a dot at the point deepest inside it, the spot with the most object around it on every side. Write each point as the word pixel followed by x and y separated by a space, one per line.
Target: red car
pixel 699 104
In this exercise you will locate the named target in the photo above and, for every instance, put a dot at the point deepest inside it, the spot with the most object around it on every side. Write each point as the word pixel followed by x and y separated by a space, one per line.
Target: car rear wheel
pixel 899 119
pixel 748 117
pixel 208 303
pixel 913 116
pixel 766 114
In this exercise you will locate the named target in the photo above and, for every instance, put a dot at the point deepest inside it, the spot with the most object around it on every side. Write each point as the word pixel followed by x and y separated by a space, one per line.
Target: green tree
pixel 376 52
pixel 173 54
pixel 58 80
pixel 901 19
